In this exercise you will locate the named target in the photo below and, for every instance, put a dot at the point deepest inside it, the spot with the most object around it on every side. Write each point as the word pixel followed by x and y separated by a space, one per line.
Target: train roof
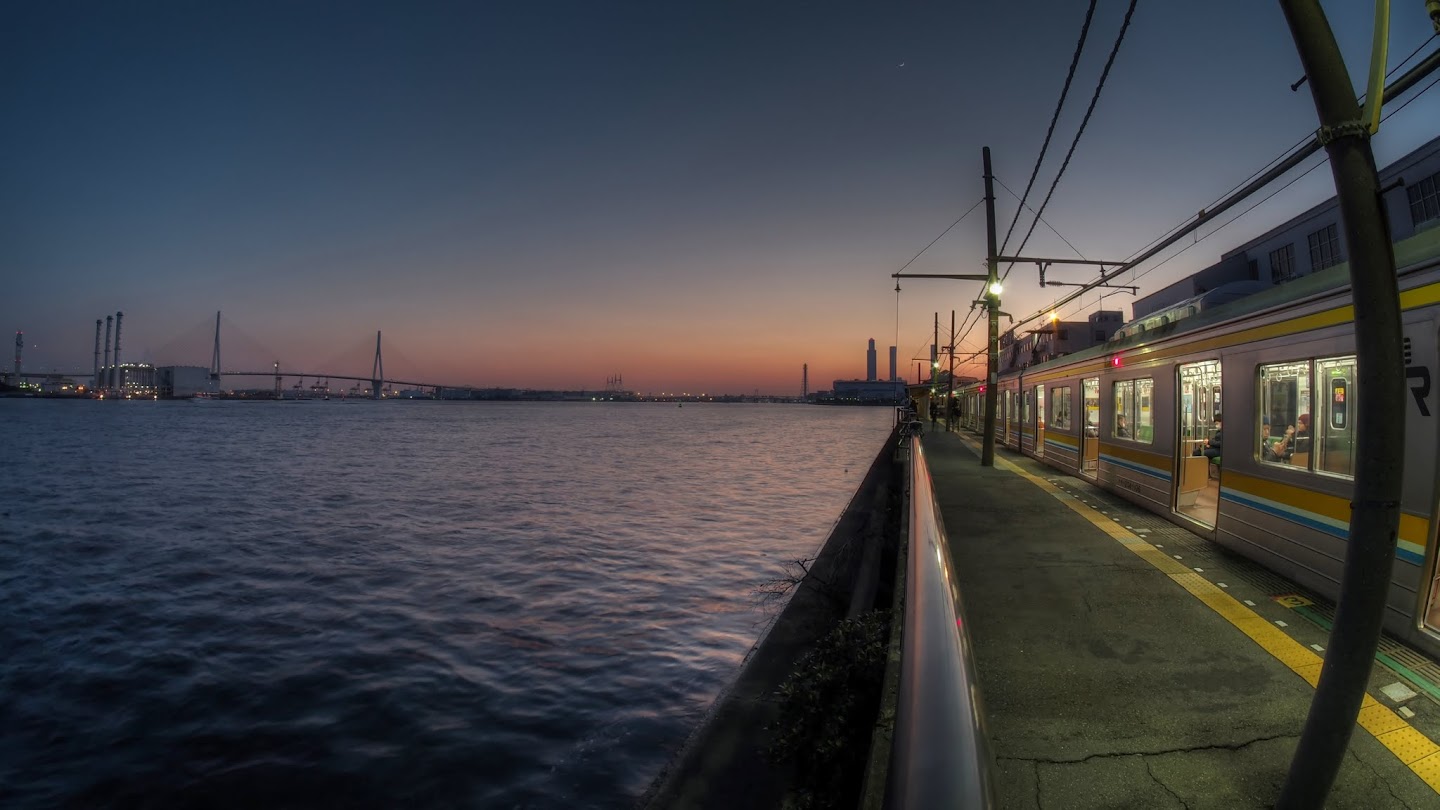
pixel 1411 254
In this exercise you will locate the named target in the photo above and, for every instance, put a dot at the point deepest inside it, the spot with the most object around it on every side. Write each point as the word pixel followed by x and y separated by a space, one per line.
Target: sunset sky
pixel 695 195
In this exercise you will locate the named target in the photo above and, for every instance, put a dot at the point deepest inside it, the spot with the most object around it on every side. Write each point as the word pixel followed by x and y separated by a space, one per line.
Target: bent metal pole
pixel 1380 426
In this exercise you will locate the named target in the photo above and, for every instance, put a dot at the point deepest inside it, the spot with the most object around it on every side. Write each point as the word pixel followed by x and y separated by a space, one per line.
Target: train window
pixel 1060 408
pixel 1335 437
pixel 1134 417
pixel 1284 414
pixel 1145 415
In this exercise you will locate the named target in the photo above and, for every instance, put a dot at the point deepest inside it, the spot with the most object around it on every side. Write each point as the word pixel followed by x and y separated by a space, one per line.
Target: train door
pixel 1198 442
pixel 1039 420
pixel 1010 415
pixel 1090 439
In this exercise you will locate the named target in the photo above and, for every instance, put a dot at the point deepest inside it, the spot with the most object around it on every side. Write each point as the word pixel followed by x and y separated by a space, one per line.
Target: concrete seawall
pixel 723 764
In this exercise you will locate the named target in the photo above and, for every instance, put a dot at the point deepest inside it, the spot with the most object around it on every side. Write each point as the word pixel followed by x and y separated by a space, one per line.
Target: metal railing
pixel 940 758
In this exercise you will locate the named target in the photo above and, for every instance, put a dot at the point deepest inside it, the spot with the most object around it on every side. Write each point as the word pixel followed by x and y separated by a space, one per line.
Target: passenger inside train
pixel 1121 431
pixel 1212 447
pixel 1275 449
pixel 1302 434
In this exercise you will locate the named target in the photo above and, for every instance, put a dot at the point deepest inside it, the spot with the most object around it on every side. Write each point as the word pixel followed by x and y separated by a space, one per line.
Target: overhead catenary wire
pixel 1047 224
pixel 1297 178
pixel 1275 160
pixel 941 236
pixel 1094 99
pixel 1409 81
pixel 1411 78
pixel 1054 117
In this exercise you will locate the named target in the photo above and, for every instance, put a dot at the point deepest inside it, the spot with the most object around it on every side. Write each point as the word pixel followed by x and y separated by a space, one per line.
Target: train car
pixel 1237 423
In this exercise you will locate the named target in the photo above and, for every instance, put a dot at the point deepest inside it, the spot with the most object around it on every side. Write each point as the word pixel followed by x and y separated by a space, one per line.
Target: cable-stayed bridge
pixel 377 381
pixel 180 356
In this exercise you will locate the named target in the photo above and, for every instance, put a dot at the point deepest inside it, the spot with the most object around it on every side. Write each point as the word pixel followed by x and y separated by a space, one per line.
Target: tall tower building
pixel 870 361
pixel 805 381
pixel 892 377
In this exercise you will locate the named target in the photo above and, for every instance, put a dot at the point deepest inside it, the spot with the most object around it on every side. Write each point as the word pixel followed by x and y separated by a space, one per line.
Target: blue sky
pixel 698 195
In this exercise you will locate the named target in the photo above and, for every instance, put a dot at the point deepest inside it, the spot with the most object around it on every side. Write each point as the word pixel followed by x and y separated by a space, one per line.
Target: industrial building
pixel 870 390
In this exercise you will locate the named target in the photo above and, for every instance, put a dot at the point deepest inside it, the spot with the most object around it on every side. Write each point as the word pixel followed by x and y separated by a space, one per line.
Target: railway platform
pixel 1126 662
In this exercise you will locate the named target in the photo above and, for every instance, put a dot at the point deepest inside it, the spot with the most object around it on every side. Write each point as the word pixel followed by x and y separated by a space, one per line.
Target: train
pixel 1137 416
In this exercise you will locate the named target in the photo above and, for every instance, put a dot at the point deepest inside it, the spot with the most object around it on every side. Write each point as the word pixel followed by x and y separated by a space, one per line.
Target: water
pixel 386 604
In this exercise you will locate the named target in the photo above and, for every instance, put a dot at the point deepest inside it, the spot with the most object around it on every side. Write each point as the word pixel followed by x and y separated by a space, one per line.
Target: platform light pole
pixel 992 306
pixel 992 311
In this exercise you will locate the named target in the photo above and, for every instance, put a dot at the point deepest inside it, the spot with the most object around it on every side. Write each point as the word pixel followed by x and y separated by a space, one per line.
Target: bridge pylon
pixel 377 371
pixel 214 358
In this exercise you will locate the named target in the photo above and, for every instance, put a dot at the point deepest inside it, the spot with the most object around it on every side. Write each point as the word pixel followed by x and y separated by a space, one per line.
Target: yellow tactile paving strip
pixel 1410 746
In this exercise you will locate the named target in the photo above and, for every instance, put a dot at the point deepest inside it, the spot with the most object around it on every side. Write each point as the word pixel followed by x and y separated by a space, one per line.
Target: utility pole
pixel 1380 429
pixel 950 384
pixel 992 307
pixel 934 369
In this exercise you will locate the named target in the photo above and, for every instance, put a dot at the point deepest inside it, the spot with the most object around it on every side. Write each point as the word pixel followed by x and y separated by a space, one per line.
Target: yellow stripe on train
pixel 1414 529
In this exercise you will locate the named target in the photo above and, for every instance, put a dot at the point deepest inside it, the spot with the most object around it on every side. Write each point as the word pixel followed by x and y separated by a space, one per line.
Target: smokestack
pixel 19 347
pixel 95 377
pixel 119 380
pixel 870 361
pixel 805 381
pixel 892 377
pixel 105 369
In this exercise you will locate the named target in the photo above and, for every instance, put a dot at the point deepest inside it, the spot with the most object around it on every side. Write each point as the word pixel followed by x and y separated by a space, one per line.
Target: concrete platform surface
pixel 1116 672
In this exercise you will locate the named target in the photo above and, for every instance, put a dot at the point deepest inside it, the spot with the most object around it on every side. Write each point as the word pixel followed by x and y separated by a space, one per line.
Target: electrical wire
pixel 1054 117
pixel 1099 86
pixel 1267 197
pixel 941 236
pixel 1278 158
pixel 1047 224
pixel 1291 182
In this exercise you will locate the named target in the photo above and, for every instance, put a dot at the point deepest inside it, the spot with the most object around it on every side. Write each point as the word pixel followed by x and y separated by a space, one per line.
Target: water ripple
pixel 388 604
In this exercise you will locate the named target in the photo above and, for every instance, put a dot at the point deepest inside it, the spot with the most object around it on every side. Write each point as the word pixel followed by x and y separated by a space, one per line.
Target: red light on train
pixel 1115 361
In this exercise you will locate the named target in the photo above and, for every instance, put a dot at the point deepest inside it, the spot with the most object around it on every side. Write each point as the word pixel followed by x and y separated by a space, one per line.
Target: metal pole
pixel 950 384
pixel 934 369
pixel 1380 430
pixel 992 306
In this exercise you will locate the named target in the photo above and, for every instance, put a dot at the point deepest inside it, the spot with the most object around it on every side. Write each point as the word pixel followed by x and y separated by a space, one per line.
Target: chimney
pixel 118 380
pixel 105 369
pixel 95 378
